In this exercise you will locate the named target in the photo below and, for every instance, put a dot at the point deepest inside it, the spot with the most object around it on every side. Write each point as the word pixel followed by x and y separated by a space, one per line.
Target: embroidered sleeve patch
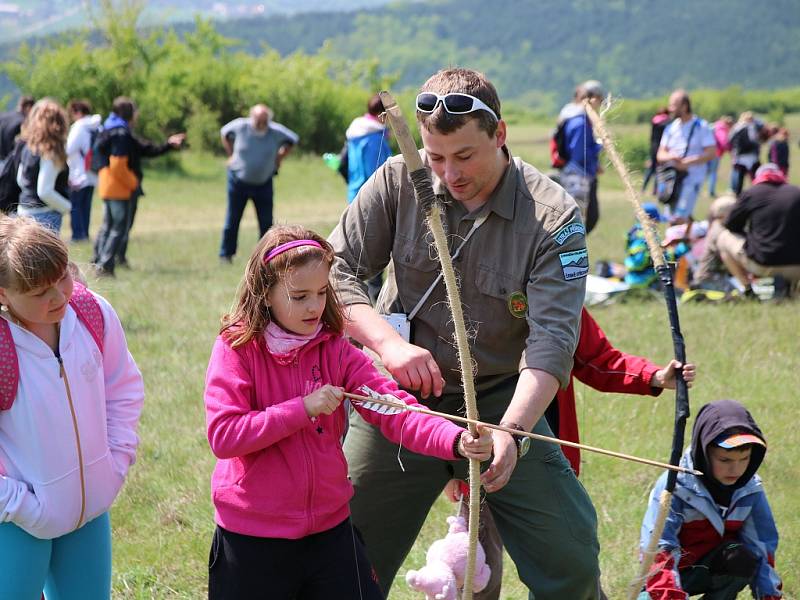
pixel 567 231
pixel 574 264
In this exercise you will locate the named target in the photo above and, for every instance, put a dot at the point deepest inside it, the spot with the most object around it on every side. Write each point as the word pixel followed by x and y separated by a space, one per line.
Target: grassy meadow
pixel 171 301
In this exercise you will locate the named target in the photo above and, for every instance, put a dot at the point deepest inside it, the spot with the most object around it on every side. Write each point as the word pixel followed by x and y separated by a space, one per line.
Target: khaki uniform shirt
pixel 521 274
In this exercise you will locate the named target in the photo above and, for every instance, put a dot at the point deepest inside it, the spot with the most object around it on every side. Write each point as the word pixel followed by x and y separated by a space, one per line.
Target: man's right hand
pixel 413 367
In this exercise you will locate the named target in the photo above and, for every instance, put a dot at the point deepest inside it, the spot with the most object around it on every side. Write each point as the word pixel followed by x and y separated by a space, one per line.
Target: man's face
pixel 466 160
pixel 260 119
pixel 677 105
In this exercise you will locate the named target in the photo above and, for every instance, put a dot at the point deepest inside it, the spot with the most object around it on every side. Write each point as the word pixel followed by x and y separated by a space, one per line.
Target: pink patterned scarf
pixel 284 345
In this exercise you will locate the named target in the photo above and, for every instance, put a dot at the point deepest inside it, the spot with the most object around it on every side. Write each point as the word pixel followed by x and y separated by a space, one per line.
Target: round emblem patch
pixel 518 304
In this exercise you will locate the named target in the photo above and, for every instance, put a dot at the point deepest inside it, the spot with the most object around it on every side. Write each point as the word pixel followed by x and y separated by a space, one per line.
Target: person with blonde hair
pixel 42 175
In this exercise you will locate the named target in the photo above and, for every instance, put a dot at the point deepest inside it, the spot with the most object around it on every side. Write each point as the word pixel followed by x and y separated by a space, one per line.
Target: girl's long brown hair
pixel 250 315
pixel 45 131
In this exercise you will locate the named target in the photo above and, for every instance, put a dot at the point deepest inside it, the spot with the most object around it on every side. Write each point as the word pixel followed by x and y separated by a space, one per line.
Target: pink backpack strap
pixel 88 310
pixel 9 367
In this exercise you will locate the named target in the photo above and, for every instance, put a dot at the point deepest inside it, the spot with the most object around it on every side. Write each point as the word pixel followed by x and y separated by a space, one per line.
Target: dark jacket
pixel 771 213
pixel 28 196
pixel 10 125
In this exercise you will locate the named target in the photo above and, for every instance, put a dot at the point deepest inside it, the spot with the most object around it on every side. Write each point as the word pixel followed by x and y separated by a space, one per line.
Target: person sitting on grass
pixel 720 535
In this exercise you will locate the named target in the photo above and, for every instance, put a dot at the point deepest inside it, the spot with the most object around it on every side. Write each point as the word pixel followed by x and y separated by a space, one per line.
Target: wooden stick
pixel 424 193
pixel 533 436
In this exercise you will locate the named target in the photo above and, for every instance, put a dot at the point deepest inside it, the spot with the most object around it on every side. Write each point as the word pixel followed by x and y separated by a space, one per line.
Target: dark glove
pixel 734 559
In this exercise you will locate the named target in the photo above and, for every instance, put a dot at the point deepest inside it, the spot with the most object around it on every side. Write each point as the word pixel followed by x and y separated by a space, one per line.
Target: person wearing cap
pixel 579 175
pixel 720 535
pixel 522 264
pixel 762 232
pixel 687 145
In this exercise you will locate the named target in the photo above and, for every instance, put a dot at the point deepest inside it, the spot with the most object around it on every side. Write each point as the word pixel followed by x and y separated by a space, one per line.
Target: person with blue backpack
pixel 70 399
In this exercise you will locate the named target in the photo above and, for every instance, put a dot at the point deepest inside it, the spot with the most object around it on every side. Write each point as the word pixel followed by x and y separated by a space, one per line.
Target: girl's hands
pixel 479 448
pixel 323 401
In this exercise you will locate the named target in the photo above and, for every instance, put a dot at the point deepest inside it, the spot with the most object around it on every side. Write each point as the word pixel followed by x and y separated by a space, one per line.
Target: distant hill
pixel 537 51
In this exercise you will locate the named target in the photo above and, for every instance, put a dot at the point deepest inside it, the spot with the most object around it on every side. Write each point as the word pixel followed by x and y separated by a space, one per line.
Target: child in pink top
pixel 274 391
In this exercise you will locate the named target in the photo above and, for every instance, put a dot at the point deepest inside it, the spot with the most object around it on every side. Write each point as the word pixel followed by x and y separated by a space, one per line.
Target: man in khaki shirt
pixel 521 262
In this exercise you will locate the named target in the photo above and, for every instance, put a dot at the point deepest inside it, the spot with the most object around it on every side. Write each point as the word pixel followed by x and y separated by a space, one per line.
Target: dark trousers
pixel 239 193
pixel 701 578
pixel 593 208
pixel 81 200
pixel 112 231
pixel 330 565
pixel 122 252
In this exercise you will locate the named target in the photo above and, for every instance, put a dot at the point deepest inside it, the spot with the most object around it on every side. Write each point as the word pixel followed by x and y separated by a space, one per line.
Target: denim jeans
pixel 122 251
pixel 712 167
pixel 51 219
pixel 239 193
pixel 81 210
pixel 110 236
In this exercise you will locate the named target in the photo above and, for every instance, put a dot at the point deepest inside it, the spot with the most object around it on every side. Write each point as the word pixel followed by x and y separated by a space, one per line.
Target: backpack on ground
pixel 559 152
pixel 89 313
pixel 9 190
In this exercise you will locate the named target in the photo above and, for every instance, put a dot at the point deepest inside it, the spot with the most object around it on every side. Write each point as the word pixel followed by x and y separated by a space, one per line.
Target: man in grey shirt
pixel 255 145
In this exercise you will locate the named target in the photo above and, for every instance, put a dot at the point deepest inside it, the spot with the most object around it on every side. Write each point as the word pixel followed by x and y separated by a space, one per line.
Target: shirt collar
pixel 502 199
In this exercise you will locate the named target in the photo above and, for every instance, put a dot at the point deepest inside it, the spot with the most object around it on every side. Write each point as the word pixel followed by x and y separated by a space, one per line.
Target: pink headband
pixel 280 249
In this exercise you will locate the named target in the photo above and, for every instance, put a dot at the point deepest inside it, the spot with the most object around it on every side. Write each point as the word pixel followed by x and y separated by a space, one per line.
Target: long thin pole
pixel 681 389
pixel 424 193
pixel 534 436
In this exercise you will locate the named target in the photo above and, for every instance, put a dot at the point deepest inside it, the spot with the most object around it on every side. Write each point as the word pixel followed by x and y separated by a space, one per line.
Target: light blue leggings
pixel 76 566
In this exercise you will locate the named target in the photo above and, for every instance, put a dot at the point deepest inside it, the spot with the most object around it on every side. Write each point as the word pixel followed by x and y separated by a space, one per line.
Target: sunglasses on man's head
pixel 455 103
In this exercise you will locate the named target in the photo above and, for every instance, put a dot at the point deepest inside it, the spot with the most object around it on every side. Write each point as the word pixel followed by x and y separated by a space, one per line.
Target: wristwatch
pixel 523 443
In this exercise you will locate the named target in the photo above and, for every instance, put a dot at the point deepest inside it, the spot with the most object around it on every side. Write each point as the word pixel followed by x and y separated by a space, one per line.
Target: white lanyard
pixel 478 222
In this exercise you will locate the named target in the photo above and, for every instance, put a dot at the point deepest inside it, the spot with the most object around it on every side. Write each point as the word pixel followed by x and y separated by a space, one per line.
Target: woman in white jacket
pixel 43 174
pixel 70 400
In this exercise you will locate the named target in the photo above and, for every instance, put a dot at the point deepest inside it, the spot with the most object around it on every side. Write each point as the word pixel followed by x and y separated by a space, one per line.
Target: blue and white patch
pixel 568 230
pixel 574 264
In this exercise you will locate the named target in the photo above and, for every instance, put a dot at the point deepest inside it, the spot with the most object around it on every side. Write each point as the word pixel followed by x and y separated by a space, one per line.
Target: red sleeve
pixel 603 367
pixel 663 583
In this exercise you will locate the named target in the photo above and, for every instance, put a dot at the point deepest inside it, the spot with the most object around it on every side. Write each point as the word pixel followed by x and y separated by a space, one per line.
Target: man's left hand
pixel 505 460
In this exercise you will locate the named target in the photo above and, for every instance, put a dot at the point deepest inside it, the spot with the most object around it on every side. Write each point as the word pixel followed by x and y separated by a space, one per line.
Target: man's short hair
pixel 80 106
pixel 124 107
pixel 375 106
pixel 590 89
pixel 25 103
pixel 465 81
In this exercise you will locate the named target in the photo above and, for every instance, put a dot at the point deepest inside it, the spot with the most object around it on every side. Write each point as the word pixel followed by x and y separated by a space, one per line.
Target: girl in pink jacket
pixel 273 397
pixel 70 399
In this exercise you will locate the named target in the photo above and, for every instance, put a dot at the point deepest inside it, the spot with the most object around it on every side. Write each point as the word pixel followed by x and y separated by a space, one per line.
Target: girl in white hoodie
pixel 70 399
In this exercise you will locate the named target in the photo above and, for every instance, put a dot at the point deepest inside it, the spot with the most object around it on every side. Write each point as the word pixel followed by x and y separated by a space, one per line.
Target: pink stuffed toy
pixel 443 575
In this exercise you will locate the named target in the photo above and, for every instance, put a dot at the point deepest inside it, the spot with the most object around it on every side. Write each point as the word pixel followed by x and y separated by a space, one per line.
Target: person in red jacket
pixel 605 368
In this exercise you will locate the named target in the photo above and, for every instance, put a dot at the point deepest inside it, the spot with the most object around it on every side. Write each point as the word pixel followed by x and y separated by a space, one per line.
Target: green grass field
pixel 171 302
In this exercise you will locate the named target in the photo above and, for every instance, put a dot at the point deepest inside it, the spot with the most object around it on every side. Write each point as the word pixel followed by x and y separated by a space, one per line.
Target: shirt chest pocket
pixel 503 296
pixel 416 268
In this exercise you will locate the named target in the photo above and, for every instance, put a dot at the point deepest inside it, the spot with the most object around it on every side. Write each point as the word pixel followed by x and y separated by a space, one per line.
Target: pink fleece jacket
pixel 279 474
